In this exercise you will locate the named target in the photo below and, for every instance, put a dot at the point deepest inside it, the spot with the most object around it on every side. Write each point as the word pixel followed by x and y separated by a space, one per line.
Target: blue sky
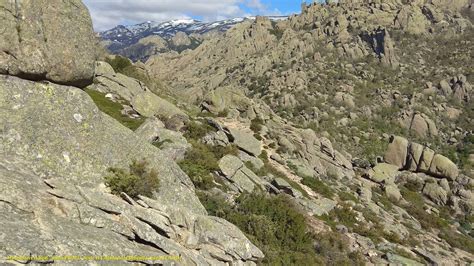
pixel 107 14
pixel 285 7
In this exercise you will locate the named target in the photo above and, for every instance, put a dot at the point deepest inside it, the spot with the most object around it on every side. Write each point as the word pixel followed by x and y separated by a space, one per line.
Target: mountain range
pixel 139 41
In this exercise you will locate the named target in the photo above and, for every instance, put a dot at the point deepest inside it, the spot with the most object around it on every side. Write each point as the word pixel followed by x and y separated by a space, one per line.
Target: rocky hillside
pixel 57 147
pixel 340 136
pixel 325 92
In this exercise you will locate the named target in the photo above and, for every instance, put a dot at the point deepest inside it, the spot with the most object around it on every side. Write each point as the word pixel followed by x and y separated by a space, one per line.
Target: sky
pixel 107 14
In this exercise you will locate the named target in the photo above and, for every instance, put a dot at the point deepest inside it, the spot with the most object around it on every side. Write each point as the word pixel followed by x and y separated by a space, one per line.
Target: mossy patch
pixel 114 109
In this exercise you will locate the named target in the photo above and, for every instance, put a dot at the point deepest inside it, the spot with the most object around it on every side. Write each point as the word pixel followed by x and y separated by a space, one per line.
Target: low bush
pixel 201 161
pixel 119 63
pixel 458 240
pixel 196 130
pixel 345 196
pixel 137 180
pixel 223 113
pixel 318 186
pixel 280 231
pixel 256 125
pixel 379 196
pixel 343 215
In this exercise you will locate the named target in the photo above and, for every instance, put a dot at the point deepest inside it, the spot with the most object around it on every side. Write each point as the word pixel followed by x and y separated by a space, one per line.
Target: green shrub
pixel 199 163
pixel 202 160
pixel 119 63
pixel 256 125
pixel 280 231
pixel 138 180
pixel 345 196
pixel 318 186
pixel 333 247
pixel 223 113
pixel 114 109
pixel 214 204
pixel 196 131
pixel 343 215
pixel 272 224
pixel 458 240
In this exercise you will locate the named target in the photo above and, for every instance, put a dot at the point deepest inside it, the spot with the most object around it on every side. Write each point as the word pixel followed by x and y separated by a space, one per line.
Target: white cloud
pixel 109 13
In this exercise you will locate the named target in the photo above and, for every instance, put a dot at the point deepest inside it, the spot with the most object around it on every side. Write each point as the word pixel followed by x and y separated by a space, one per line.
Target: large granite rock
pixel 172 143
pixel 107 81
pixel 422 125
pixel 149 130
pixel 224 98
pixel 436 193
pixel 237 173
pixel 443 167
pixel 418 158
pixel 245 141
pixel 149 104
pixel 396 153
pixel 383 173
pixel 312 155
pixel 56 147
pixel 47 39
pixel 230 164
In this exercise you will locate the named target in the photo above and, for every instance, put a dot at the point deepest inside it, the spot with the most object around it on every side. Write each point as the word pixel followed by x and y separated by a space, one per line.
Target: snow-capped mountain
pixel 123 36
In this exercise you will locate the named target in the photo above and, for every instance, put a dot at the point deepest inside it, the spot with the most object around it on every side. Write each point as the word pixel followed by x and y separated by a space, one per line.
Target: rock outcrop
pixel 47 40
pixel 57 201
pixel 417 158
pixel 396 153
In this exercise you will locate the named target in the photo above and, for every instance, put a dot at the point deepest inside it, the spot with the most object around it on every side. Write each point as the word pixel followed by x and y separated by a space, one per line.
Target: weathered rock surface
pixel 149 104
pixel 383 173
pixel 396 153
pixel 172 143
pixel 236 172
pixel 107 81
pixel 393 192
pixel 230 164
pixel 245 141
pixel 442 166
pixel 63 204
pixel 149 129
pixel 436 193
pixel 47 40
